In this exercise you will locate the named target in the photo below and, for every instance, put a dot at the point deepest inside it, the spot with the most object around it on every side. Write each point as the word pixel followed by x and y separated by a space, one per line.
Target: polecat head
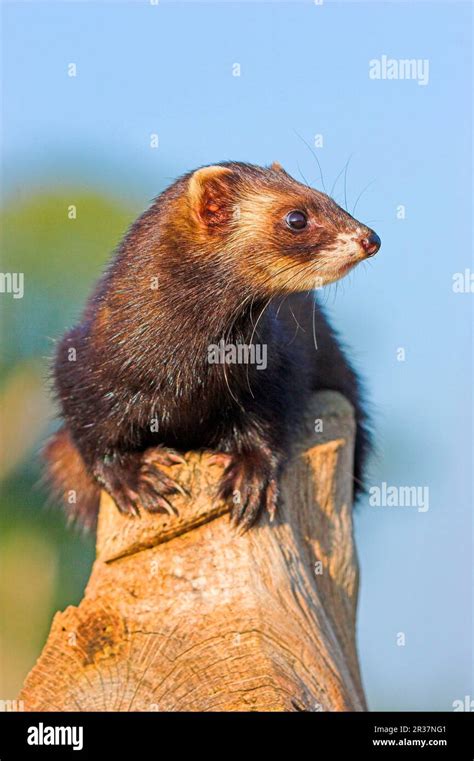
pixel 282 234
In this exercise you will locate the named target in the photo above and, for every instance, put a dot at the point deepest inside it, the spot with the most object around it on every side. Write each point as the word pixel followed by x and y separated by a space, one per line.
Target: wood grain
pixel 184 614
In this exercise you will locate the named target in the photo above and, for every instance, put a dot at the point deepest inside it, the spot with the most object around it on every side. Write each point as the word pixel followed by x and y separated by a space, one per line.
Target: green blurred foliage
pixel 44 563
pixel 60 258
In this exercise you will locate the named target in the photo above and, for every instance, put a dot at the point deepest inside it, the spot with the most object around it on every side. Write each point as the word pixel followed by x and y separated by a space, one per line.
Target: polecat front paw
pixel 154 485
pixel 136 480
pixel 250 485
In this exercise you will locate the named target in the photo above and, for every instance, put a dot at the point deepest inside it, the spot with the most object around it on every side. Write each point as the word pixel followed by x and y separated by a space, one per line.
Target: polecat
pixel 225 257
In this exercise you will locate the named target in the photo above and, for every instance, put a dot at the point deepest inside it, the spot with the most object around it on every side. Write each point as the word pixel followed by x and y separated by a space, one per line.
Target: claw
pixel 220 458
pixel 153 474
pixel 127 502
pixel 255 481
pixel 135 481
pixel 165 506
pixel 165 457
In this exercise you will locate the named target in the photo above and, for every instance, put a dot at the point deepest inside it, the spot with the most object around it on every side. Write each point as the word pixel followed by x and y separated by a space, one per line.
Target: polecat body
pixel 227 256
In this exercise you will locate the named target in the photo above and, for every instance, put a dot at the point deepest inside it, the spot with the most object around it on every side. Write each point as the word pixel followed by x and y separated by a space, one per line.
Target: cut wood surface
pixel 181 613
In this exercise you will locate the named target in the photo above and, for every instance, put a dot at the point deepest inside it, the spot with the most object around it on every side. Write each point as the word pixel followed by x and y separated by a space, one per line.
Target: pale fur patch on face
pixel 348 244
pixel 251 213
pixel 335 262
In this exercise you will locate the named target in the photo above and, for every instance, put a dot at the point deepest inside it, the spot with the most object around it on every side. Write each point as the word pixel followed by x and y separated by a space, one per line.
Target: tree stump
pixel 184 614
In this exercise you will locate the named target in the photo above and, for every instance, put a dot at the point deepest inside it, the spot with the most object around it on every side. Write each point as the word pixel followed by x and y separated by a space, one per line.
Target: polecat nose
pixel 371 243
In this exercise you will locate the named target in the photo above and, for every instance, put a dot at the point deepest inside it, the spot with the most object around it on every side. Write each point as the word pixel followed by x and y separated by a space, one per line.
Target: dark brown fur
pixel 211 259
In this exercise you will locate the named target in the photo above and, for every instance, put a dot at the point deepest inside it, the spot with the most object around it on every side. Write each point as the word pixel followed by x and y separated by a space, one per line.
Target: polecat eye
pixel 296 220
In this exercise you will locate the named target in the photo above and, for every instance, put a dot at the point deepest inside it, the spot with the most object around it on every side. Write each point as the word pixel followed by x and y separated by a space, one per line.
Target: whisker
pixel 304 178
pixel 344 169
pixel 315 340
pixel 251 340
pixel 345 180
pixel 361 194
pixel 314 156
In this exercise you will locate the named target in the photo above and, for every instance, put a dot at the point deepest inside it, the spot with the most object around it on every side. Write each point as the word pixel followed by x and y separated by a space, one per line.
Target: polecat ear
pixel 210 195
pixel 277 166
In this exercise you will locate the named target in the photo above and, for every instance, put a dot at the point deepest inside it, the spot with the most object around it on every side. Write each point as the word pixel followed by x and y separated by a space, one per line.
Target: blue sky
pixel 167 69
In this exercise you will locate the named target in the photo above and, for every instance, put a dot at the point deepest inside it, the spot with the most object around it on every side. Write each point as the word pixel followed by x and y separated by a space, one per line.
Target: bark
pixel 184 614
